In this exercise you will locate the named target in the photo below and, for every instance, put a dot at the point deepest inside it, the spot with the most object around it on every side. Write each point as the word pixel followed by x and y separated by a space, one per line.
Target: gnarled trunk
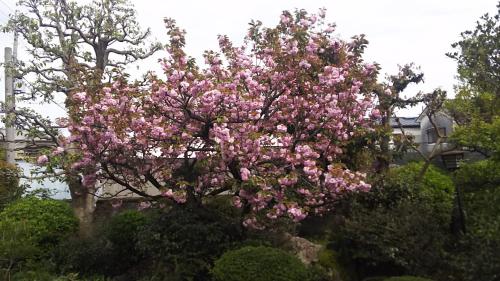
pixel 83 204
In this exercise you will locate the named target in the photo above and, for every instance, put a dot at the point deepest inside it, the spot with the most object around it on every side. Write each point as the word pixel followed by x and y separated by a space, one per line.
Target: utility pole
pixel 10 100
pixel 10 131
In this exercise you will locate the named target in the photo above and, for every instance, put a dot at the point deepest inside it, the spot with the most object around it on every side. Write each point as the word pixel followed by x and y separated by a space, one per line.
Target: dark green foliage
pixel 10 189
pixel 40 274
pixel 476 254
pixel 171 244
pixel 480 182
pixel 403 183
pixel 400 226
pixel 16 246
pixel 34 275
pixel 403 239
pixel 30 229
pixel 476 106
pixel 87 256
pixel 111 252
pixel 184 241
pixel 122 232
pixel 407 278
pixel 258 263
pixel 474 258
pixel 49 221
pixel 477 54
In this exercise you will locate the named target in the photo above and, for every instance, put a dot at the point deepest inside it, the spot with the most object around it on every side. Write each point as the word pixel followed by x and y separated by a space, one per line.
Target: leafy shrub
pixel 10 190
pixel 318 273
pixel 478 175
pixel 402 183
pixel 88 256
pixel 407 278
pixel 34 275
pixel 401 226
pixel 474 258
pixel 43 275
pixel 258 263
pixel 186 240
pixel 480 182
pixel 329 260
pixel 49 221
pixel 122 231
pixel 30 228
pixel 111 252
pixel 16 246
pixel 405 239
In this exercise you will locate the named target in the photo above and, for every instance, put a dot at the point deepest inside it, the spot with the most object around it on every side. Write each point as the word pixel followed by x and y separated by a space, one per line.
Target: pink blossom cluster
pixel 265 122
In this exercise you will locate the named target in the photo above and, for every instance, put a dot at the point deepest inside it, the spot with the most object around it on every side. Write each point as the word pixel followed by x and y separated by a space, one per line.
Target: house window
pixel 432 136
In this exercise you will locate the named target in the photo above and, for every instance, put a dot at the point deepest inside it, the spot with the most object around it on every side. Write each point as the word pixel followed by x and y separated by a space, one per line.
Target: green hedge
pixel 50 221
pixel 184 241
pixel 407 278
pixel 259 263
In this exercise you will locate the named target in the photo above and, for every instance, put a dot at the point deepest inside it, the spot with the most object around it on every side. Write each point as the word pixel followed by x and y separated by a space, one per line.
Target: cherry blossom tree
pixel 265 122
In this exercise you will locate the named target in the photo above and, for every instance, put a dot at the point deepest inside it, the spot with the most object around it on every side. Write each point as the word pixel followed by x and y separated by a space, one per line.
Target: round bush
pixel 50 221
pixel 407 278
pixel 258 263
pixel 435 185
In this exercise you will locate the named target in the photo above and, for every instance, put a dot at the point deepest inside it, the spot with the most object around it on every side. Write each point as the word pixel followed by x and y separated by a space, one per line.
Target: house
pixel 422 132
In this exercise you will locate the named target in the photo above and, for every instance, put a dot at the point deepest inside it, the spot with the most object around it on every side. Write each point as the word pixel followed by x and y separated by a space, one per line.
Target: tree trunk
pixel 83 204
pixel 385 157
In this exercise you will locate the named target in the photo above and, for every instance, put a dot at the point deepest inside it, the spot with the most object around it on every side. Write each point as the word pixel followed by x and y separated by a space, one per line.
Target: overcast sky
pixel 399 31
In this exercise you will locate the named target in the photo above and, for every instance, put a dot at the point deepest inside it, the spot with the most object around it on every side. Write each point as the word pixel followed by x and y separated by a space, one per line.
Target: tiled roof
pixel 406 122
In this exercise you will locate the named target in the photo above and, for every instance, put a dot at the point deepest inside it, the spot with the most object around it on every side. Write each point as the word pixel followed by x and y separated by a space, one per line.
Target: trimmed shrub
pixel 48 221
pixel 184 241
pixel 10 190
pixel 407 278
pixel 258 263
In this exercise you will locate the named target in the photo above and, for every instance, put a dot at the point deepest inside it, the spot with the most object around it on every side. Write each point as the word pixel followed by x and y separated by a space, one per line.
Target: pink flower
pixel 168 193
pixel 237 202
pixel 42 159
pixel 304 64
pixel 296 213
pixel 281 128
pixel 58 151
pixel 284 19
pixel 80 96
pixel 376 113
pixel 245 174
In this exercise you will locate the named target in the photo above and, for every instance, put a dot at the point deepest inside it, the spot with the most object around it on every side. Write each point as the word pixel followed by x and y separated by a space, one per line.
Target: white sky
pixel 399 31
